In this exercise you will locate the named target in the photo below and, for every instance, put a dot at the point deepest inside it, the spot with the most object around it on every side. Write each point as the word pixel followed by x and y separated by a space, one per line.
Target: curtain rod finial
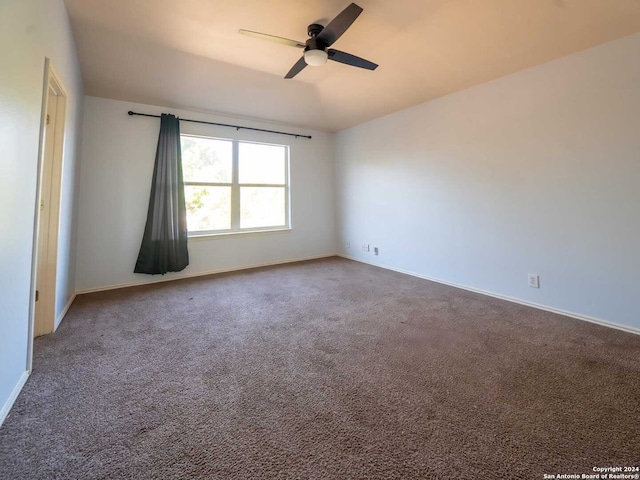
pixel 130 112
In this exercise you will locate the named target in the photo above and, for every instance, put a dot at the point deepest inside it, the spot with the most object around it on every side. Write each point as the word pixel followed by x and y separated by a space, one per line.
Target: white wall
pixel 537 172
pixel 117 162
pixel 31 30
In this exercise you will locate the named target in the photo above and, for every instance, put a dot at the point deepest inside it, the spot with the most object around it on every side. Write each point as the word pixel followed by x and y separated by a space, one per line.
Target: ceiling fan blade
pixel 343 57
pixel 297 68
pixel 339 25
pixel 272 38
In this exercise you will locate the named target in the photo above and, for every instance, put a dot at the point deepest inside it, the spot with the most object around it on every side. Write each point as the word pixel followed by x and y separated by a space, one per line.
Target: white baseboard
pixel 14 395
pixel 64 311
pixel 546 308
pixel 202 274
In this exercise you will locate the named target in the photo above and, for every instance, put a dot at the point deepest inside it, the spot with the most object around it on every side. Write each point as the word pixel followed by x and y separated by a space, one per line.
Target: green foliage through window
pixel 215 203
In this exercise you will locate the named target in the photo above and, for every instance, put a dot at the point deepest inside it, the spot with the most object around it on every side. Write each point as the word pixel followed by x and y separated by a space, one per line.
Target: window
pixel 234 186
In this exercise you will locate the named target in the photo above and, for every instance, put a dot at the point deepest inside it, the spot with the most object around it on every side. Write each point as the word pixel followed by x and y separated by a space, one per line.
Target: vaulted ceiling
pixel 188 53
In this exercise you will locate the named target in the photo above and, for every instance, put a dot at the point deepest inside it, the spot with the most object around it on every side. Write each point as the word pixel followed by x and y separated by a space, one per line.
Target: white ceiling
pixel 188 53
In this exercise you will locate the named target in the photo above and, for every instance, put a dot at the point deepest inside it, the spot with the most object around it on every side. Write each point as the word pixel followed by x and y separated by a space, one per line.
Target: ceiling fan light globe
pixel 315 58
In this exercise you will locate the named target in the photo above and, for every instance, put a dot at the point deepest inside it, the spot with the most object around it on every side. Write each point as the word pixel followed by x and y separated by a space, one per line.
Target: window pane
pixel 262 163
pixel 208 208
pixel 206 160
pixel 262 207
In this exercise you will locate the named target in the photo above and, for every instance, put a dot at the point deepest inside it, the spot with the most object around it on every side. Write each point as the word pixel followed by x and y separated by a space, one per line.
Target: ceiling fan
pixel 316 49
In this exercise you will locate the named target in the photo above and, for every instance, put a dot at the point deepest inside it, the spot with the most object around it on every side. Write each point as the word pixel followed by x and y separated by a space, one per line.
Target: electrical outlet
pixel 375 250
pixel 364 247
pixel 534 280
pixel 347 244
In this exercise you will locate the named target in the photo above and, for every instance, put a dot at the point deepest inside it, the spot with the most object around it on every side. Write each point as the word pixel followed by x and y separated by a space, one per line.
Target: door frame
pixel 51 81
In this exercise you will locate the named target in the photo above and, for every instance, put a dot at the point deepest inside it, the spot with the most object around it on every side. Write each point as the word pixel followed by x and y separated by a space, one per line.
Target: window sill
pixel 210 236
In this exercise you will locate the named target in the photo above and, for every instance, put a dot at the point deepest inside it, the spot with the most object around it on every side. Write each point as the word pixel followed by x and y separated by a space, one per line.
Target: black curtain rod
pixel 237 127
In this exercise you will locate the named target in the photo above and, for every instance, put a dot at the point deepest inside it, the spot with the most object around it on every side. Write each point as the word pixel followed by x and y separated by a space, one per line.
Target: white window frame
pixel 235 190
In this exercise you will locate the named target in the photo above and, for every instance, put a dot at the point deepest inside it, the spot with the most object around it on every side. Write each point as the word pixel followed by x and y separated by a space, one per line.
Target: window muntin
pixel 234 186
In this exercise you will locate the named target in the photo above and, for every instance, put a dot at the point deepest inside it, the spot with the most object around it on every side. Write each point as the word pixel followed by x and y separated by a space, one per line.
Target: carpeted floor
pixel 328 369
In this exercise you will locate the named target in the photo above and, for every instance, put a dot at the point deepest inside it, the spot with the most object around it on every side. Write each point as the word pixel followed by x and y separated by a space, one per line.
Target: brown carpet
pixel 324 369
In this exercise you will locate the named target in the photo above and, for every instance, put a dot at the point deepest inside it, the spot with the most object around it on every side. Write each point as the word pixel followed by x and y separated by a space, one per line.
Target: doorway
pixel 48 203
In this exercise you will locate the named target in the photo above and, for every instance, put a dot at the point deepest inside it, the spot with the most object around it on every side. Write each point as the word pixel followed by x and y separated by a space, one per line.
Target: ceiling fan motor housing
pixel 315 53
pixel 315 44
